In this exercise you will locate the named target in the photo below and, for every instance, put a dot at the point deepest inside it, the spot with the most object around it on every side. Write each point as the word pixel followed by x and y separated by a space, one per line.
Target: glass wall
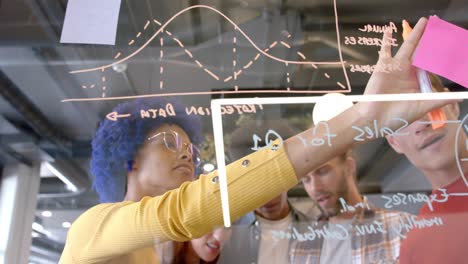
pixel 128 102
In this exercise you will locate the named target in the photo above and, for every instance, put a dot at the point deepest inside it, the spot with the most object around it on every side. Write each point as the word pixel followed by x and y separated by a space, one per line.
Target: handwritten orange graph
pixel 232 77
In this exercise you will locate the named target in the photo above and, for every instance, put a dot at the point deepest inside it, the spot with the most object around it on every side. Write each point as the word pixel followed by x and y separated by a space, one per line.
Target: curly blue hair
pixel 117 142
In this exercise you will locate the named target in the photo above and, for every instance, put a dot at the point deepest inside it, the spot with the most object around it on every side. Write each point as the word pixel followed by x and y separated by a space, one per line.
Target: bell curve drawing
pixel 224 77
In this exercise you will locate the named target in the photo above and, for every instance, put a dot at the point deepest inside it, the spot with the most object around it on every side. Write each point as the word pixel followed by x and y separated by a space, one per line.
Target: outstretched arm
pixel 107 231
pixel 306 158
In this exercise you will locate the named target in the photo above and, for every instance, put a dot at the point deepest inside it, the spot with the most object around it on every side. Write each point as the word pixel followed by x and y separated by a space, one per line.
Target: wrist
pixel 363 111
pixel 362 117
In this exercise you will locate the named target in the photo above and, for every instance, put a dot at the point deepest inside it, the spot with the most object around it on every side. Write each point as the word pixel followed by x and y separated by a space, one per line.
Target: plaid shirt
pixel 376 235
pixel 244 245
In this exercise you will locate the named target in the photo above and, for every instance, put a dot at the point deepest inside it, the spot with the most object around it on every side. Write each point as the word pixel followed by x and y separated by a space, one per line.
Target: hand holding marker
pixel 425 85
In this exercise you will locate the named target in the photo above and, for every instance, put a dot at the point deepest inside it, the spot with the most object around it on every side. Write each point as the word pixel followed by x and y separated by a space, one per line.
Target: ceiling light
pixel 46 213
pixel 329 106
pixel 120 67
pixel 37 227
pixel 208 167
pixel 62 177
pixel 66 224
pixel 40 229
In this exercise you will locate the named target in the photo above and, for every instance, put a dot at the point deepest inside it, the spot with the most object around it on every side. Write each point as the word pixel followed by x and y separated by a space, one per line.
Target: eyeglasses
pixel 173 143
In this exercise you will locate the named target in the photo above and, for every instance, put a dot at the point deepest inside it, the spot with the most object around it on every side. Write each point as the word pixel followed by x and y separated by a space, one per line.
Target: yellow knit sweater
pixel 126 232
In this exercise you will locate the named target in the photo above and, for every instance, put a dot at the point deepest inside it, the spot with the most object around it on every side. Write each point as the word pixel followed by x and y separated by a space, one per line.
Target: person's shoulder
pixel 104 207
pixel 90 217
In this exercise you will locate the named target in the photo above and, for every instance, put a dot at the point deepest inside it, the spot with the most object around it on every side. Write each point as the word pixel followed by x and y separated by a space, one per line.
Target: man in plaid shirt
pixel 349 229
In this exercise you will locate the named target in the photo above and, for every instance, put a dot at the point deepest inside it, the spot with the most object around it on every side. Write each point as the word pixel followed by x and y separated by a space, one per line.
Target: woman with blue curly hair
pixel 137 156
pixel 144 156
pixel 141 164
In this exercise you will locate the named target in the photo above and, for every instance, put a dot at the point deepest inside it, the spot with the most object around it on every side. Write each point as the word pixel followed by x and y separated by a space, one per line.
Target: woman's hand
pixel 401 80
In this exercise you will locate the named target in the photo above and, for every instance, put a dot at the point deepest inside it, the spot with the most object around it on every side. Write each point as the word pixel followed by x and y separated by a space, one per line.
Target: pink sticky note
pixel 443 50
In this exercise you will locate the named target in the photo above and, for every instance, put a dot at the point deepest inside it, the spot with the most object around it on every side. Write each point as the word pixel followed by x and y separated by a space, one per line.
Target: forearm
pixel 194 209
pixel 306 158
pixel 304 150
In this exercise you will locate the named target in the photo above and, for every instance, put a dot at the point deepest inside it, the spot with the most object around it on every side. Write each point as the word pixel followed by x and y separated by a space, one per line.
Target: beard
pixel 341 192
